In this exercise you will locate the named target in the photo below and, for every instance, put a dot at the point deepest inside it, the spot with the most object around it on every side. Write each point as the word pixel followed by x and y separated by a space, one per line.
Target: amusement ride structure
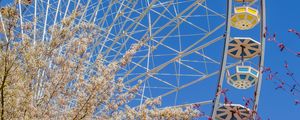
pixel 244 18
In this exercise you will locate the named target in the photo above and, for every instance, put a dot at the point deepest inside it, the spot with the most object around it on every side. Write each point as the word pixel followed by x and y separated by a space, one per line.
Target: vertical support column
pixel 262 56
pixel 224 59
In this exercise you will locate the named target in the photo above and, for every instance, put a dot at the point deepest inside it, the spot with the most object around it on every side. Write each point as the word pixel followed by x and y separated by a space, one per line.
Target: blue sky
pixel 281 16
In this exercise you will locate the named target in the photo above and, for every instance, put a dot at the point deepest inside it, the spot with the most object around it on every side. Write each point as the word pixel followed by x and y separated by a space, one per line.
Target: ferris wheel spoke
pixel 190 104
pixel 21 19
pixel 138 23
pixel 45 23
pixel 214 12
pixel 208 58
pixel 95 13
pixel 207 17
pixel 67 9
pixel 195 61
pixel 139 19
pixel 121 33
pixel 184 53
pixel 108 13
pixel 198 80
pixel 178 70
pixel 192 68
pixel 156 69
pixel 181 19
pixel 85 10
pixel 196 42
pixel 163 81
pixel 34 22
pixel 103 19
pixel 157 21
pixel 3 27
pixel 191 6
pixel 118 14
pixel 202 29
pixel 99 41
pixel 55 19
pixel 144 97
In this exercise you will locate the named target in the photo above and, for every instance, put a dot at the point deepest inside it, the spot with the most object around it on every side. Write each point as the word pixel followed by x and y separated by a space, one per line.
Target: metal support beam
pixel 198 80
pixel 262 56
pixel 157 68
pixel 190 104
pixel 224 59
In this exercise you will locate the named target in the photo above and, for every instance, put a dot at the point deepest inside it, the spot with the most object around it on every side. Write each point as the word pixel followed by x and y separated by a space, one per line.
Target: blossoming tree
pixel 52 79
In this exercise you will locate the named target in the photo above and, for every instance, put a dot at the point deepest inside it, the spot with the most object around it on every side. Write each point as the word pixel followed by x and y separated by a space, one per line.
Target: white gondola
pixel 243 47
pixel 244 78
pixel 245 18
pixel 233 112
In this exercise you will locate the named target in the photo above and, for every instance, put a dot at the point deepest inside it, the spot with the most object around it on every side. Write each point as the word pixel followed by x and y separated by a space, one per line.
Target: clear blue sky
pixel 281 16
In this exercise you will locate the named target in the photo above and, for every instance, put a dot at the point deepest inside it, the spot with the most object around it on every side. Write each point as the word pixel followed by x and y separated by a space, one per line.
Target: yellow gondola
pixel 245 18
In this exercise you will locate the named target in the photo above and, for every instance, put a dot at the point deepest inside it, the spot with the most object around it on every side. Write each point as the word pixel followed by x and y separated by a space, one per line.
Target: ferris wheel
pixel 191 46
